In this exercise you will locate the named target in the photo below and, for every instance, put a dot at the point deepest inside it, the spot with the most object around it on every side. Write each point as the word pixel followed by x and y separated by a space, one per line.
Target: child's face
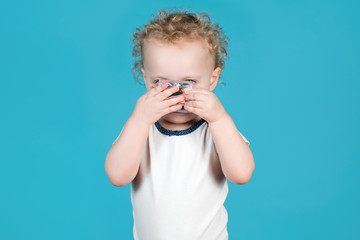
pixel 181 61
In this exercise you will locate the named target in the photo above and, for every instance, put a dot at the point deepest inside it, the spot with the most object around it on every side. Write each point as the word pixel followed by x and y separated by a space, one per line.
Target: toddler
pixel 178 163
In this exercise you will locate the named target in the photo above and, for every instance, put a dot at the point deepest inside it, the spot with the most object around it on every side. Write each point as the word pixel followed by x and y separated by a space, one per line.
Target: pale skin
pixel 183 60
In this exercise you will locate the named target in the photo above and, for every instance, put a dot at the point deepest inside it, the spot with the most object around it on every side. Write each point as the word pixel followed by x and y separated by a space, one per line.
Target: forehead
pixel 184 55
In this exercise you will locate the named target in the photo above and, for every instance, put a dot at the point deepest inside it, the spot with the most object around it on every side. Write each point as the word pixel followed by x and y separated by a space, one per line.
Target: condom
pixel 182 85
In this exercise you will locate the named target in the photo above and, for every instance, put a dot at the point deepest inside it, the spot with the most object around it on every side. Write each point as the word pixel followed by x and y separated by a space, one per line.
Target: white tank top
pixel 180 189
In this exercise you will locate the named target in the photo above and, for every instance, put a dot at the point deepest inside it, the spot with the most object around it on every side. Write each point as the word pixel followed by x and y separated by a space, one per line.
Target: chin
pixel 175 117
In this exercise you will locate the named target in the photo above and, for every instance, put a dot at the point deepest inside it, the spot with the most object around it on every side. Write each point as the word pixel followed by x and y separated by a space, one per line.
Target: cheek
pixel 151 85
pixel 202 85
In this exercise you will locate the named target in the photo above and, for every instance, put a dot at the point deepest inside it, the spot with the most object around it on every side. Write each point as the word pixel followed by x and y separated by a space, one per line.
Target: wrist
pixel 220 119
pixel 139 121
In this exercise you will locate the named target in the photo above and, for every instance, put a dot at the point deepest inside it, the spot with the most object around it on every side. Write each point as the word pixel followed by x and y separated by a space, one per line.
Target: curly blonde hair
pixel 170 25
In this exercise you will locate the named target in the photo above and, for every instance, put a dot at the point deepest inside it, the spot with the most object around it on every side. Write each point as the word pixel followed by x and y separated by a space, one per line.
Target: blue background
pixel 292 89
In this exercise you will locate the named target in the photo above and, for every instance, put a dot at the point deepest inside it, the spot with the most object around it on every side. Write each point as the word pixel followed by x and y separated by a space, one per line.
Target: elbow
pixel 245 177
pixel 114 178
pixel 117 183
pixel 242 181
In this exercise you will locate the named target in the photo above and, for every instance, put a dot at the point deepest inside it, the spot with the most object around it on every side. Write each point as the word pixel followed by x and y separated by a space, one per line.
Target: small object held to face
pixel 182 86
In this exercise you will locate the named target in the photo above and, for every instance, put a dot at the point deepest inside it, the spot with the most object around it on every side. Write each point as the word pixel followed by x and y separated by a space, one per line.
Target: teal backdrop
pixel 292 88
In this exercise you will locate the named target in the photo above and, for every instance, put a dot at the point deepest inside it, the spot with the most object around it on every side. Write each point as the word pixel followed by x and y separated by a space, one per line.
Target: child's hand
pixel 204 103
pixel 154 104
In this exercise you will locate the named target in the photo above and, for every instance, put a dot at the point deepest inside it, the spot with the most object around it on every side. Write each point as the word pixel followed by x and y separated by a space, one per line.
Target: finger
pixel 173 100
pixel 173 108
pixel 167 92
pixel 196 97
pixel 196 90
pixel 191 109
pixel 196 94
pixel 156 90
pixel 194 104
pixel 185 89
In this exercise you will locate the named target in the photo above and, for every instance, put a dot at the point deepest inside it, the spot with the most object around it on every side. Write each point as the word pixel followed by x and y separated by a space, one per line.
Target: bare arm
pixel 237 161
pixel 124 158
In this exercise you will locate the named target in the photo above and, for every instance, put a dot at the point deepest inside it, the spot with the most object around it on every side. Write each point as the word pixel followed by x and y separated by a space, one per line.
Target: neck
pixel 178 126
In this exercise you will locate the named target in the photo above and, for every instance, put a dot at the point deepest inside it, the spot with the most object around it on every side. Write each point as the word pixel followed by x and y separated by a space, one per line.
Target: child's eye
pixel 189 80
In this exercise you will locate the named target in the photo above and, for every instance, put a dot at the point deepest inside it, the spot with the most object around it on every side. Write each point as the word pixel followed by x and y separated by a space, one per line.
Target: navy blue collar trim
pixel 179 132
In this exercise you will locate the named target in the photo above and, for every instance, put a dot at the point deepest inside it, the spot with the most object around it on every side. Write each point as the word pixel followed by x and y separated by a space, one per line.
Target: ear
pixel 214 78
pixel 144 77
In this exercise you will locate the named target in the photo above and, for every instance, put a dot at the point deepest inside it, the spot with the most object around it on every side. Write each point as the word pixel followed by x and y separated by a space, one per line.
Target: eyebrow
pixel 191 77
pixel 165 78
pixel 158 77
